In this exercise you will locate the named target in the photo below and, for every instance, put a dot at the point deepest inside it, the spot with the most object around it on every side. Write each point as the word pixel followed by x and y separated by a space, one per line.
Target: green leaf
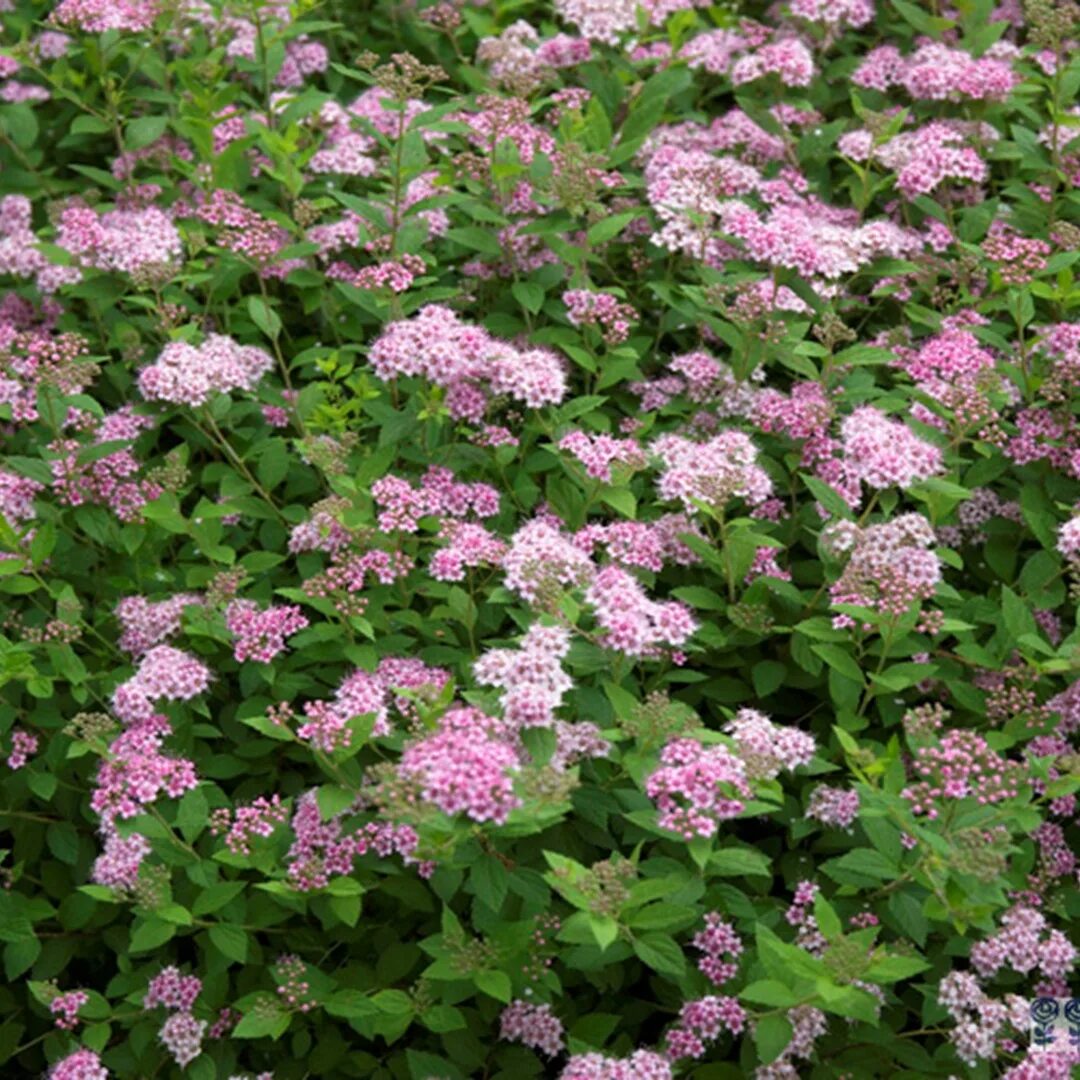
pixel 529 295
pixel 662 953
pixel 264 316
pixel 770 992
pixel 608 228
pixel 740 862
pixel 145 130
pixel 771 1037
pixel 230 941
pixel 496 984
pixel 841 661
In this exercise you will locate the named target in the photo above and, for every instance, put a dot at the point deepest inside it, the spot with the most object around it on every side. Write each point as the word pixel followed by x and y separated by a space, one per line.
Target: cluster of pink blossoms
pixel 1020 945
pixel 767 748
pixel 466 766
pixel 612 317
pixel 324 849
pixel 936 72
pixel 248 233
pixel 163 673
pixel 631 622
pixel 185 374
pixel 1068 542
pixel 182 1035
pixel 135 773
pixel 542 558
pixel 465 548
pixel 640 1065
pixel 241 825
pixel 649 545
pixel 401 506
pixel 833 806
pixel 889 565
pixel 883 453
pixel 97 16
pixel 65 1007
pixel 961 766
pixel 468 362
pixel 520 60
pixel 24 746
pixel 118 865
pixel 259 633
pixel 125 240
pixel 147 623
pixel 535 1026
pixel 83 1064
pixel 981 1021
pixel 697 786
pixel 716 941
pixel 702 1022
pixel 714 472
pixel 173 990
pixel 531 677
pixel 597 453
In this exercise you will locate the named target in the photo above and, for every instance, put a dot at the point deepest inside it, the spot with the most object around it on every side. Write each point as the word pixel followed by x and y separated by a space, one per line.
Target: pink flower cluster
pixel 612 317
pixel 83 1064
pixel 466 766
pixel 648 545
pixel 465 547
pixel 640 1065
pixel 535 1026
pixel 632 623
pixel 65 1007
pixel 259 634
pixel 24 746
pixel 714 942
pixel 597 453
pixel 697 786
pixel 542 558
pixel 889 565
pixel 767 748
pixel 97 16
pixel 135 773
pixel 714 472
pixel 172 989
pixel 961 766
pixel 833 806
pixel 148 623
pixel 185 374
pixel 702 1022
pixel 1020 944
pixel 182 1035
pixel 936 72
pixel 324 849
pixel 124 240
pixel 163 673
pixel 474 367
pixel 883 453
pixel 401 506
pixel 531 677
pixel 258 818
pixel 118 865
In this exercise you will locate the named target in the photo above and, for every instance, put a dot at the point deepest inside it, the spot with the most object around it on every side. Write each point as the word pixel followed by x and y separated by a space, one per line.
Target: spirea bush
pixel 539 540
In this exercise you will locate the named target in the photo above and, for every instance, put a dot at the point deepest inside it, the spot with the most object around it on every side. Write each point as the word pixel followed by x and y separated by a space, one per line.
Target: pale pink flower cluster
pixel 833 806
pixel 599 20
pixel 465 547
pixel 83 1064
pixel 258 818
pixel 118 865
pixel 786 58
pixel 709 380
pixel 981 1021
pixel 697 786
pixel 714 942
pixel 713 472
pixel 65 1007
pixel 324 849
pixel 640 1065
pixel 542 558
pixel 881 452
pixel 248 233
pixel 597 453
pixel 182 1035
pixel 1020 944
pixel 612 317
pixel 97 16
pixel 401 506
pixel 702 1022
pixel 135 773
pixel 362 692
pixel 19 254
pixel 163 673
pixel 961 766
pixel 1068 541
pixel 535 1026
pixel 24 746
pixel 936 72
pixel 531 677
pixel 808 1025
pixel 890 565
pixel 473 366
pixel 833 13
pixel 631 622
pixel 172 989
pixel 186 374
pixel 466 766
pixel 150 622
pixel 648 545
pixel 124 240
pixel 767 748
pixel 519 60
pixel 259 633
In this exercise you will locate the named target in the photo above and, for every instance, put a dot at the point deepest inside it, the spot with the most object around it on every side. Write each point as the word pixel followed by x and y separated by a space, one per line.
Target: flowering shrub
pixel 538 539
